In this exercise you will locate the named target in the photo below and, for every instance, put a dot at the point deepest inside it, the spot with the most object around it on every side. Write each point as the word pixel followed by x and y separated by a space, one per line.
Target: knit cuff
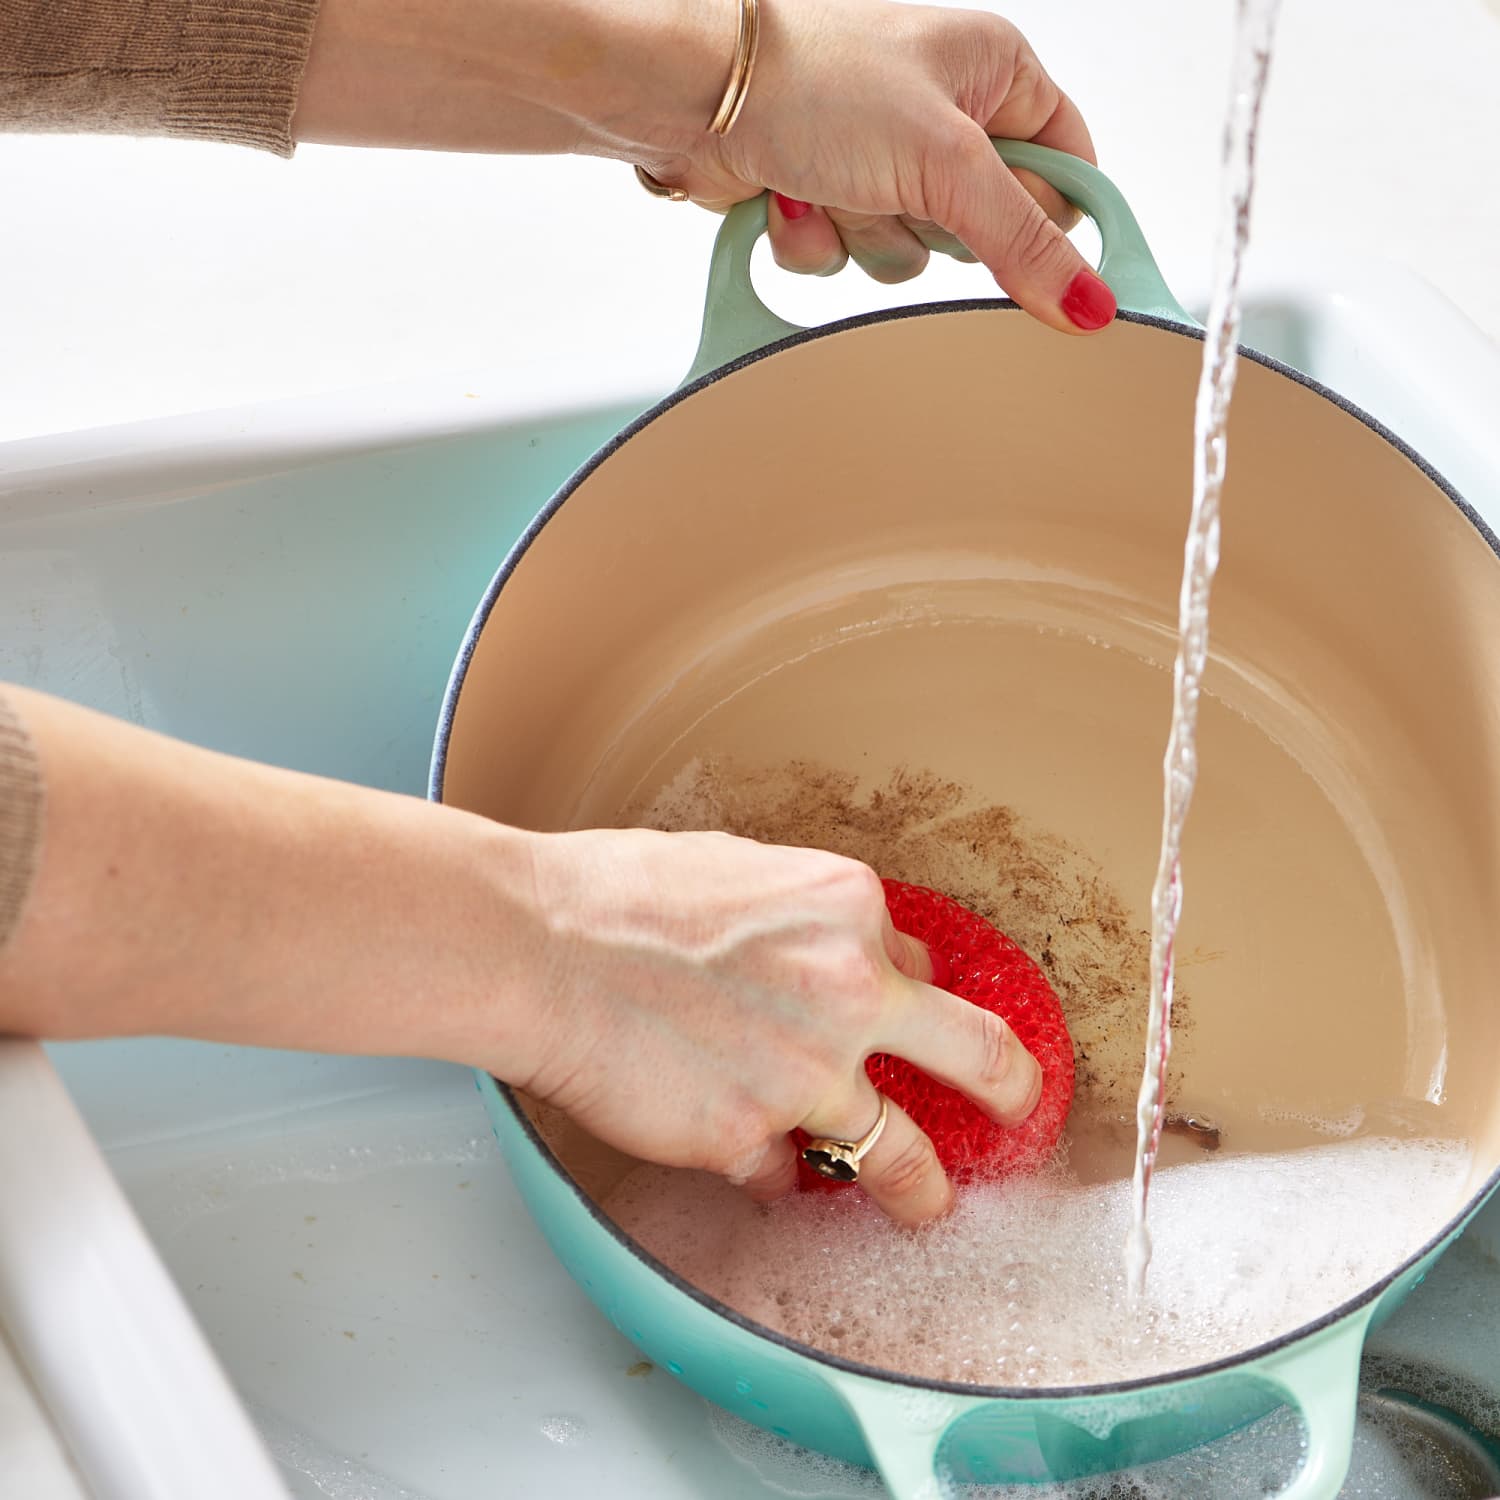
pixel 239 71
pixel 217 70
pixel 20 818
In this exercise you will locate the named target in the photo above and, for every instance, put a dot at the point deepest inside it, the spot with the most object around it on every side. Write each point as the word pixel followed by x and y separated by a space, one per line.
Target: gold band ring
pixel 660 189
pixel 840 1160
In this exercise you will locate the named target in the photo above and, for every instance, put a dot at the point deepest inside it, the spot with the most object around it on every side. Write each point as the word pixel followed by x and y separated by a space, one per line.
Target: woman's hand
pixel 882 113
pixel 708 994
pixel 877 113
pixel 688 998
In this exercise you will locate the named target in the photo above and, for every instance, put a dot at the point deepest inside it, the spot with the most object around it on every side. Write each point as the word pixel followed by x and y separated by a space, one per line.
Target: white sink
pixel 290 582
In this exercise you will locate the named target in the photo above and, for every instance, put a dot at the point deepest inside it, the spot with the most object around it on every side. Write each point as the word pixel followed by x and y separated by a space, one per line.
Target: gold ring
pixel 840 1159
pixel 660 189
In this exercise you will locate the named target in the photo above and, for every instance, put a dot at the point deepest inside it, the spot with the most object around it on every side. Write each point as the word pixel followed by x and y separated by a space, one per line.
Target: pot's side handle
pixel 736 322
pixel 1321 1377
pixel 903 1428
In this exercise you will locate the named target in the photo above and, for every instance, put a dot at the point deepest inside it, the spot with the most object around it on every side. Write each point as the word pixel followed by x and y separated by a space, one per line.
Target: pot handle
pixel 1321 1378
pixel 736 322
pixel 903 1427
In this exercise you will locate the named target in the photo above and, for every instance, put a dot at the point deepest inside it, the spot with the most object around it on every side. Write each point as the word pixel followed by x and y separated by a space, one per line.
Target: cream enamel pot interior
pixel 949 538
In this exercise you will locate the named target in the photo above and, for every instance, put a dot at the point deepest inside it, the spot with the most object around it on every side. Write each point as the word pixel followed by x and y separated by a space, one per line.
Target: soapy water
pixel 1394 1457
pixel 1022 1284
pixel 1440 1346
pixel 1255 1461
pixel 565 1431
pixel 210 1183
pixel 1255 27
pixel 1336 1126
pixel 313 1471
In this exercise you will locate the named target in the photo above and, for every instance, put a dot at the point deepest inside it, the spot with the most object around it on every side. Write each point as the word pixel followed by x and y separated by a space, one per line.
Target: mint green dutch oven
pixel 930 437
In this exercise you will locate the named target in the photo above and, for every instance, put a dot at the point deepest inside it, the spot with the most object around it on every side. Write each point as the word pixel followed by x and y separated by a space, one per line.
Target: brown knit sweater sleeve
pixel 20 817
pixel 221 70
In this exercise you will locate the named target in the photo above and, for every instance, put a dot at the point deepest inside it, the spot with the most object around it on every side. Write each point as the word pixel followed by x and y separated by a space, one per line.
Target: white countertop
pixel 152 277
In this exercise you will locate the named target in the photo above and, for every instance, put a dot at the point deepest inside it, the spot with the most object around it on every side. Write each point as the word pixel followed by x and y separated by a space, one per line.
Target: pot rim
pixel 435 793
pixel 523 543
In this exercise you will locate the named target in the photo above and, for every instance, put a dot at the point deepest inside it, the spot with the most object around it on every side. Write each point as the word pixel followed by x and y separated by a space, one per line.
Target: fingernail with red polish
pixel 1088 302
pixel 792 209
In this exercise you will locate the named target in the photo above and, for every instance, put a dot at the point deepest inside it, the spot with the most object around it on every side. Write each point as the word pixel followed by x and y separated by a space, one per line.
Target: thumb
pixel 1005 228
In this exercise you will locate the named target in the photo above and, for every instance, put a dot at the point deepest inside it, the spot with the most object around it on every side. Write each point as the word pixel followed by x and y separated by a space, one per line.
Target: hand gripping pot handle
pixel 736 322
pixel 904 1427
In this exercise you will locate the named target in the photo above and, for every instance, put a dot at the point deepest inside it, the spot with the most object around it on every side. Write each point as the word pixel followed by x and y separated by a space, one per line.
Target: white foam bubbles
pixel 565 1431
pixel 1440 1347
pixel 1022 1284
pixel 316 1472
pixel 1336 1126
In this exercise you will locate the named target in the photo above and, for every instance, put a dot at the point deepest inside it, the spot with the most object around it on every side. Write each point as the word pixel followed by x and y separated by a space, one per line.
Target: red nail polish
pixel 1088 302
pixel 792 209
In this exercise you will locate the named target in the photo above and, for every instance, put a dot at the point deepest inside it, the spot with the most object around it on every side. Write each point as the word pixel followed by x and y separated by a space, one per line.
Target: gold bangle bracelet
pixel 747 43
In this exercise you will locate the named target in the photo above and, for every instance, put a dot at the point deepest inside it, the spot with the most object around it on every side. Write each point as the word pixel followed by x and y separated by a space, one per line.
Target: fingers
pixel 1052 203
pixel 969 1049
pixel 803 238
pixel 966 1047
pixel 881 245
pixel 819 242
pixel 987 219
pixel 775 1175
pixel 913 958
pixel 1015 222
pixel 981 201
pixel 937 239
pixel 901 1171
pixel 909 956
pixel 1063 130
pixel 1011 221
pixel 1035 109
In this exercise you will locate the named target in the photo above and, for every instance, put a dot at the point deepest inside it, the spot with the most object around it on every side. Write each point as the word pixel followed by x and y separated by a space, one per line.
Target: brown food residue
pixel 916 826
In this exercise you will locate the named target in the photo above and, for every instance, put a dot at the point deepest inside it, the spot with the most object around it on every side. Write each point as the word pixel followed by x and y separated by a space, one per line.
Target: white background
pixel 142 278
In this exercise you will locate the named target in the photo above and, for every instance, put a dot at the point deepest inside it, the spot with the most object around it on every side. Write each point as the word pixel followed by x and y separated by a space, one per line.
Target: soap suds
pixel 1023 1285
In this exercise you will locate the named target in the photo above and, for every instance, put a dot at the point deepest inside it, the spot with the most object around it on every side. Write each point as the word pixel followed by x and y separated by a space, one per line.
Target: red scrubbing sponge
pixel 975 961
